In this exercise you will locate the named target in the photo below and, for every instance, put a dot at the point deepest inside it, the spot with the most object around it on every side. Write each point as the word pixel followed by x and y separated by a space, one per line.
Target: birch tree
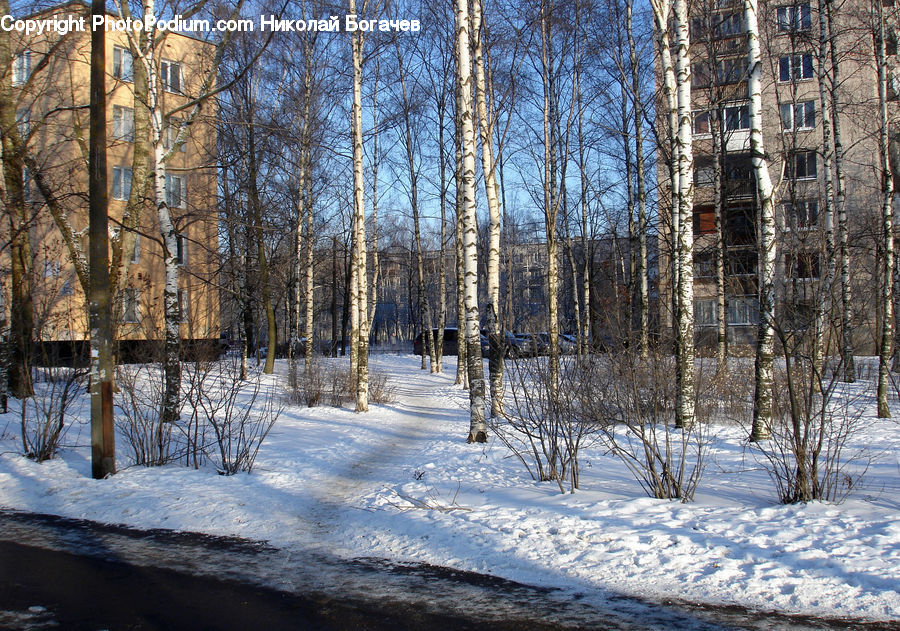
pixel 359 316
pixel 486 129
pixel 887 212
pixel 148 55
pixel 469 225
pixel 765 341
pixel 684 405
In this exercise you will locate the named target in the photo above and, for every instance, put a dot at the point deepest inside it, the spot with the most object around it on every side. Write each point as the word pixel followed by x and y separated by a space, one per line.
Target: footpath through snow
pixel 400 483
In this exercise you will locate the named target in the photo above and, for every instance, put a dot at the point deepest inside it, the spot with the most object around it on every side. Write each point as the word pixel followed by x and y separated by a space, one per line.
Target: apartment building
pixel 793 141
pixel 51 78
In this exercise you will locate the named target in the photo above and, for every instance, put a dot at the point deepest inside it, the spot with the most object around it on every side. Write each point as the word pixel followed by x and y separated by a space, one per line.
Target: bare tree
pixel 469 228
pixel 887 217
pixel 762 398
pixel 361 281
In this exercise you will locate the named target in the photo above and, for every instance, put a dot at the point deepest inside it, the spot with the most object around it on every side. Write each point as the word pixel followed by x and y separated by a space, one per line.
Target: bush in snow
pixel 329 382
pixel 632 400
pixel 229 418
pixel 808 456
pixel 138 402
pixel 543 424
pixel 43 414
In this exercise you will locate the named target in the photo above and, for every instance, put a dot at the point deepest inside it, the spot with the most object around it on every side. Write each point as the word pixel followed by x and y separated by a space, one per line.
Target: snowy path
pixel 359 473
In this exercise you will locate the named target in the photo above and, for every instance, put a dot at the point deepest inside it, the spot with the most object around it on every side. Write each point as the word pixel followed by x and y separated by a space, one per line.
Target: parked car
pixel 568 345
pixel 451 342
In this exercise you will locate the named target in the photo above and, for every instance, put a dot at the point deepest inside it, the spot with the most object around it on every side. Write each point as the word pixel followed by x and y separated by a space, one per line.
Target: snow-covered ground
pixel 401 483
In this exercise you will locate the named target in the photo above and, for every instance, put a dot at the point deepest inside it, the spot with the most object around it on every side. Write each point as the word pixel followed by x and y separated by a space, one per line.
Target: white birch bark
pixel 684 405
pixel 887 217
pixel 359 223
pixel 486 129
pixel 825 291
pixel 661 11
pixel 477 425
pixel 839 208
pixel 765 342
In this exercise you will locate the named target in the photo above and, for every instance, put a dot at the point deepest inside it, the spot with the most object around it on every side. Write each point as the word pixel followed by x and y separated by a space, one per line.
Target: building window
pixel 180 249
pixel 182 306
pixel 123 123
pixel 131 301
pixel 21 67
pixel 66 289
pixel 802 215
pixel 171 135
pixel 700 77
pixel 51 269
pixel 176 191
pixel 742 311
pixel 795 67
pixel 737 118
pixel 121 183
pixel 701 123
pixel 26 185
pixel 704 220
pixel 798 115
pixel 705 264
pixel 733 70
pixel 730 25
pixel 794 18
pixel 704 312
pixel 741 262
pixel 800 166
pixel 170 75
pixel 123 64
pixel 136 252
pixel 802 266
pixel 23 122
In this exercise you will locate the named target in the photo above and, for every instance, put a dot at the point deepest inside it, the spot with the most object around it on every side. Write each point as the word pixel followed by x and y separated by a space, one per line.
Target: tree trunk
pixel 359 232
pixel 642 271
pixel 462 377
pixel 825 290
pixel 21 305
pixel 887 228
pixel 551 196
pixel 765 339
pixel 849 375
pixel 684 405
pixel 486 128
pixel 475 369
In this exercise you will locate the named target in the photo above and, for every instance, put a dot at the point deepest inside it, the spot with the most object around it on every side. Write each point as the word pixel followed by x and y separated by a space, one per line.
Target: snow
pixel 400 483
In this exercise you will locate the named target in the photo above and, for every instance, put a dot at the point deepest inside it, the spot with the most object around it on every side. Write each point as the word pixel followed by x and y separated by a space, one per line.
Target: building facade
pixel 50 85
pixel 725 219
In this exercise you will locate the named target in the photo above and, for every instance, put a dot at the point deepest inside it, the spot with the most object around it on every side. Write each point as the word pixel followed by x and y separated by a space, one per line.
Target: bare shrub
pixel 239 414
pixel 632 401
pixel 307 383
pixel 338 386
pixel 44 412
pixel 332 383
pixel 543 425
pixel 139 402
pixel 380 389
pixel 807 456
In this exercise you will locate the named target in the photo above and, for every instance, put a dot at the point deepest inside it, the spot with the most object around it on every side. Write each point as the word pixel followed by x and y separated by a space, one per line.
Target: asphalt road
pixel 59 573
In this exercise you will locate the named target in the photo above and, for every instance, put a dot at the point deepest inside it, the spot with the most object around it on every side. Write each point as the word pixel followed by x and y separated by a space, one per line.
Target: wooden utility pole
pixel 103 451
